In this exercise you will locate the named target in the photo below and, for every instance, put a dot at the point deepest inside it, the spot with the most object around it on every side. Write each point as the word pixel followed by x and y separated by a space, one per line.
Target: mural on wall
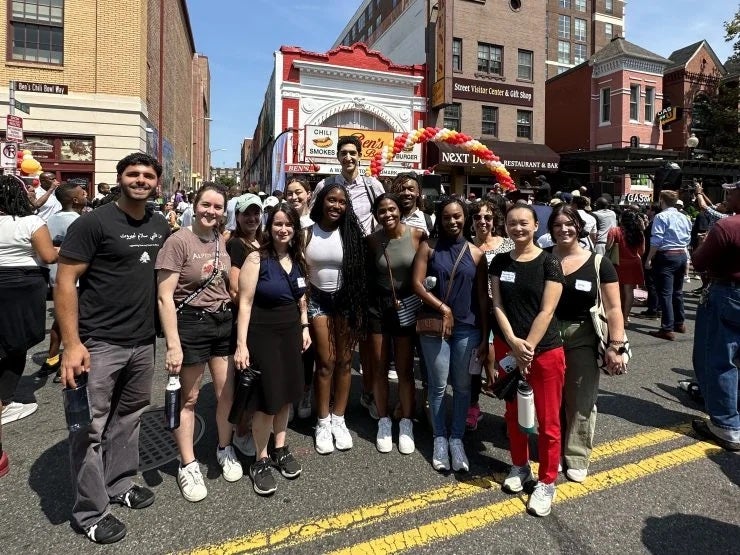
pixel 152 143
pixel 168 166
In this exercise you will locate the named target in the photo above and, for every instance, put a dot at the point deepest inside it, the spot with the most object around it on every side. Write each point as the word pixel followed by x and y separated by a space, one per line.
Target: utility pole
pixel 11 104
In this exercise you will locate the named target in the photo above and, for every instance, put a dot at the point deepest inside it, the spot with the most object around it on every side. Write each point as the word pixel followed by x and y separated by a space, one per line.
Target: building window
pixel 564 3
pixel 37 29
pixel 525 65
pixel 634 102
pixel 489 120
pixel 490 59
pixel 563 52
pixel 649 104
pixel 609 6
pixel 562 69
pixel 608 30
pixel 579 29
pixel 579 53
pixel 457 54
pixel 563 26
pixel 606 105
pixel 453 114
pixel 581 5
pixel 524 124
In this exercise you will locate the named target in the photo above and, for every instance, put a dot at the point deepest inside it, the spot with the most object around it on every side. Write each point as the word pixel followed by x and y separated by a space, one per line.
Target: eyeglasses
pixel 478 217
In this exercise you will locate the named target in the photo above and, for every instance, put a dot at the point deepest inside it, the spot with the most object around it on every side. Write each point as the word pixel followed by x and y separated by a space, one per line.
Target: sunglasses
pixel 479 217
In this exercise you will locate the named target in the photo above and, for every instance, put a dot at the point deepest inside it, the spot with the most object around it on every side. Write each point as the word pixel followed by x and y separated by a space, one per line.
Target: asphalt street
pixel 653 486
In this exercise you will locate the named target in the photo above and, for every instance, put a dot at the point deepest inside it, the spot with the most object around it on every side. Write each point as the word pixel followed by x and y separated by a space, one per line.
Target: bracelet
pixel 305 325
pixel 441 304
pixel 612 342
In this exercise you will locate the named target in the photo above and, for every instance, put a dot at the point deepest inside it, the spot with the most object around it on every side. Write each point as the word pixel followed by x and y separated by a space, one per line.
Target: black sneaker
pixel 284 460
pixel 49 369
pixel 136 497
pixel 107 530
pixel 262 478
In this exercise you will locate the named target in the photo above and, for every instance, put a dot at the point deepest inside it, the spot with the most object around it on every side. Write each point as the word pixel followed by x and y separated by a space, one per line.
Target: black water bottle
pixel 77 405
pixel 245 383
pixel 172 403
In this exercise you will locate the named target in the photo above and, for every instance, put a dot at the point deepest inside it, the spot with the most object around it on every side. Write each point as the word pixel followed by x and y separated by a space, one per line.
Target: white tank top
pixel 324 256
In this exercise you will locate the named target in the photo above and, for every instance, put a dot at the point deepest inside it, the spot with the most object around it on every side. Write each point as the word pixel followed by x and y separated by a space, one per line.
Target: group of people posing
pixel 293 293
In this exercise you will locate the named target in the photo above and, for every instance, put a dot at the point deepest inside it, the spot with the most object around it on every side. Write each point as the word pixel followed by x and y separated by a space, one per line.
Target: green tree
pixel 226 181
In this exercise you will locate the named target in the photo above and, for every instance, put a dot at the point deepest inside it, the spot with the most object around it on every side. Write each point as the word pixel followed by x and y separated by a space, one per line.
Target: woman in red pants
pixel 526 285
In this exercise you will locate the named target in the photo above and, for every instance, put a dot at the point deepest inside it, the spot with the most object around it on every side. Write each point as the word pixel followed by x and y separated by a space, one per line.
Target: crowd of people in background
pixel 293 283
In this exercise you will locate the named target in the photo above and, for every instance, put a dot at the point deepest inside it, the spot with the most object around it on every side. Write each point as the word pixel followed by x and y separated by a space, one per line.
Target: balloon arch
pixel 443 135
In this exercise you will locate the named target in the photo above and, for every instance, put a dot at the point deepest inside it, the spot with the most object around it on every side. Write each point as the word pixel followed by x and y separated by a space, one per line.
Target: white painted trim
pixel 356 74
pixel 278 69
pixel 604 18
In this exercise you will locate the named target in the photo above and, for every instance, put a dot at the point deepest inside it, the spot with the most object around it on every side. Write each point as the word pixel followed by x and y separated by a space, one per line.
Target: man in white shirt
pixel 605 220
pixel 46 201
pixel 362 190
pixel 234 192
pixel 103 191
pixel 581 204
pixel 407 187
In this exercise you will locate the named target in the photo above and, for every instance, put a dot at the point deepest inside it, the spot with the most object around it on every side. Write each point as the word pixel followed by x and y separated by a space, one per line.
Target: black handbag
pixel 245 385
pixel 505 388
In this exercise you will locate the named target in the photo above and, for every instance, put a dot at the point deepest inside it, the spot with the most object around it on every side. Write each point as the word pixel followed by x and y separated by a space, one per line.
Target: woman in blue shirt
pixel 272 332
pixel 464 317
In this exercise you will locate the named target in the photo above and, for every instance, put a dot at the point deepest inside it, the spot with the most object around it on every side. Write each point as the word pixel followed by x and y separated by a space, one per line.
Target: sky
pixel 240 36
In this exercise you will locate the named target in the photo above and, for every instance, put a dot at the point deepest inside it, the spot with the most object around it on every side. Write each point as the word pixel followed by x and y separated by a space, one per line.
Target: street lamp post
pixel 210 155
pixel 692 142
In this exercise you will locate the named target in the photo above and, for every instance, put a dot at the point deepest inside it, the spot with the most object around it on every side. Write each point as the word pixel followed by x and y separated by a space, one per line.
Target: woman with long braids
pixel 298 194
pixel 246 238
pixel 25 244
pixel 629 238
pixel 391 252
pixel 337 307
pixel 458 269
pixel 526 284
pixel 491 239
pixel 272 331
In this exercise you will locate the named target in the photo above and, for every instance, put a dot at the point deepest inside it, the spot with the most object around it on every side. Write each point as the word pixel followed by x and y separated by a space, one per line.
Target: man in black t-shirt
pixel 108 335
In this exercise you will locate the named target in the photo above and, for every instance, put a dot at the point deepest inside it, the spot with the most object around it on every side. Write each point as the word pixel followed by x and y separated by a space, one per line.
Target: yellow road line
pixel 309 530
pixel 478 518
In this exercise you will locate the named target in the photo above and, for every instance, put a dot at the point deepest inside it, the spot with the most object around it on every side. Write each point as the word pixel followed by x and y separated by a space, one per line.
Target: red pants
pixel 546 377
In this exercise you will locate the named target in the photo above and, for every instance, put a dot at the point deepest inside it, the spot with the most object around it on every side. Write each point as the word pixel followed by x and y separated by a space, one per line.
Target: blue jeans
pixel 715 357
pixel 450 358
pixel 669 270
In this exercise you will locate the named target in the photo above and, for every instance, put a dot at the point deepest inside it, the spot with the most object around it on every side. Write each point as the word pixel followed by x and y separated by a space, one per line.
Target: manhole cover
pixel 156 444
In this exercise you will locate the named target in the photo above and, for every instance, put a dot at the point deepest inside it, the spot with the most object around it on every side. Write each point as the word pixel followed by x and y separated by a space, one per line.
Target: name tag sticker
pixel 301 282
pixel 583 285
pixel 508 277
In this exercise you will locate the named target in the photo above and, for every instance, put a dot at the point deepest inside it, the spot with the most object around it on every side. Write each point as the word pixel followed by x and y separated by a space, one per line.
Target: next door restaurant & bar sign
pixel 498 93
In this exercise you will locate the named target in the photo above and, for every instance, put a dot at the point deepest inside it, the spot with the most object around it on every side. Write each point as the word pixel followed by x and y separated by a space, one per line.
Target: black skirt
pixel 22 308
pixel 274 340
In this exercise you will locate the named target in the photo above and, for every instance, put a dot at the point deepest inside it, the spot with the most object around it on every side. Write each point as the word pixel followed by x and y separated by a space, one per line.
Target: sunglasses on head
pixel 487 217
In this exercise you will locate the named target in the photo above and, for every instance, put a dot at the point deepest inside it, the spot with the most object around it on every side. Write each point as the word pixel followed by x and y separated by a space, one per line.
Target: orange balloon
pixel 30 166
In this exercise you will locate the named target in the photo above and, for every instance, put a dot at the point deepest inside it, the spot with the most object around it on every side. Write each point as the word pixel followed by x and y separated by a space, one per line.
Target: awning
pixel 515 156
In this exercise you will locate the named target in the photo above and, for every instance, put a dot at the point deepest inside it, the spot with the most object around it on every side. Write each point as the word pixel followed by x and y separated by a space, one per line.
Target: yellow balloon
pixel 30 166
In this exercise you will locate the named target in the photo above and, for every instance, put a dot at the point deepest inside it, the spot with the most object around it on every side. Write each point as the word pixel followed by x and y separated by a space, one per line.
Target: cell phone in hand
pixel 507 364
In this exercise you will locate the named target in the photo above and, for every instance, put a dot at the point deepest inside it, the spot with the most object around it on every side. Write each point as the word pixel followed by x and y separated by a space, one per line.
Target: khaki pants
pixel 580 391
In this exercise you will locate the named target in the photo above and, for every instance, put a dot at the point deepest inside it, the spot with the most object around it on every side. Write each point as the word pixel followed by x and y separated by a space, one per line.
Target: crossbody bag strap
pixel 597 265
pixel 208 282
pixel 454 271
pixel 390 273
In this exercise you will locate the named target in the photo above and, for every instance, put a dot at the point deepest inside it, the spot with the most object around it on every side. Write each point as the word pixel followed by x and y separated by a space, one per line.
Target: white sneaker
pixel 441 454
pixel 384 441
pixel 245 445
pixel 392 374
pixel 518 476
pixel 324 439
pixel 191 482
pixel 406 444
pixel 230 465
pixel 304 407
pixel 342 437
pixel 459 459
pixel 540 501
pixel 576 474
pixel 15 411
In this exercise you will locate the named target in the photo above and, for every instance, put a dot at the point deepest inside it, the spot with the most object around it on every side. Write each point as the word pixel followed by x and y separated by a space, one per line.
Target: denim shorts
pixel 204 334
pixel 321 303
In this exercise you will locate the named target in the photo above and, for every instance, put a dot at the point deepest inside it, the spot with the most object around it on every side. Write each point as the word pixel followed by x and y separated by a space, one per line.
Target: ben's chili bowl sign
pixel 321 143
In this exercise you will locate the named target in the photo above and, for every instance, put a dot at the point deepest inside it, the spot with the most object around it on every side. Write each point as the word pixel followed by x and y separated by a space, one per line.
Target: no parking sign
pixel 8 152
